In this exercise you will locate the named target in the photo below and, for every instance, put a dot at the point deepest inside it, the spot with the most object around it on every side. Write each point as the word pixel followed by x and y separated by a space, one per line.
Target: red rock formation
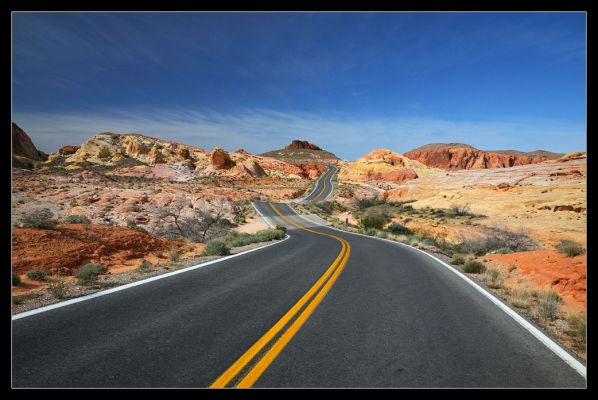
pixel 400 175
pixel 68 150
pixel 311 170
pixel 299 144
pixel 242 151
pixel 219 159
pixel 469 158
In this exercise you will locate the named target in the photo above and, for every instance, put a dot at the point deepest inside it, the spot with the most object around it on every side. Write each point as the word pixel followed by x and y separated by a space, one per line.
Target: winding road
pixel 324 308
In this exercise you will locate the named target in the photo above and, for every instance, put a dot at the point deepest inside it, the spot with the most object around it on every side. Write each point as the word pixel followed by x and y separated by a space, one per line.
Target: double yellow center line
pixel 308 303
pixel 324 187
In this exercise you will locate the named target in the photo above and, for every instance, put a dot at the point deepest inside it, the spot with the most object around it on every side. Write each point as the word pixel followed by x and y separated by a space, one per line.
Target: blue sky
pixel 349 82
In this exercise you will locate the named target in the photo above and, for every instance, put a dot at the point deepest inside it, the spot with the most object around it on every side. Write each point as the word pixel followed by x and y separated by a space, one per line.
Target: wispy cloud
pixel 259 130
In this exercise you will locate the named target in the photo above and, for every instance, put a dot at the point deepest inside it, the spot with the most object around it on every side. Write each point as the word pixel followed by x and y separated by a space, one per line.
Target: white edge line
pixel 136 283
pixel 547 341
pixel 263 217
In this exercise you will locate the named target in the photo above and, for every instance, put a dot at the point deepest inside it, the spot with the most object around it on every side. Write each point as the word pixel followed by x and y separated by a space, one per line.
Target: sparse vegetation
pixel 216 247
pixel 458 259
pixel 577 326
pixel 491 278
pixel 37 275
pixel 90 272
pixel 16 279
pixel 550 301
pixel 175 254
pixel 521 297
pixel 474 267
pixel 43 219
pixel 570 248
pixel 58 289
pixel 461 209
pixel 398 229
pixel 77 219
pixel 144 266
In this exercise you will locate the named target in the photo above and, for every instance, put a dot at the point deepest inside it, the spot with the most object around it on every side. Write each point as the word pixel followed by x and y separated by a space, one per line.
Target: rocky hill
pixel 24 152
pixel 302 152
pixel 458 156
pixel 383 165
pixel 134 154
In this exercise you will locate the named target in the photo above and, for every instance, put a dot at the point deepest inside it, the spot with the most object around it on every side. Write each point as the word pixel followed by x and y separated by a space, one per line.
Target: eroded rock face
pixel 24 152
pixel 220 159
pixel 301 144
pixel 470 158
pixel 382 165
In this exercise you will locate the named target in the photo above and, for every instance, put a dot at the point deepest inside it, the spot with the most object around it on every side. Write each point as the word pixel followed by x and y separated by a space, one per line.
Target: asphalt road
pixel 323 187
pixel 376 315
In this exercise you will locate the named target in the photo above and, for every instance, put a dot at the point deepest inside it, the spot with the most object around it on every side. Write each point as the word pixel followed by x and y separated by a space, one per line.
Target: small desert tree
pixel 197 224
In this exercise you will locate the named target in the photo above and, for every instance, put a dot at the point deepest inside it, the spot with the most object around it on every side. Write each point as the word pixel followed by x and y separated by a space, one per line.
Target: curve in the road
pixel 323 187
pixel 308 303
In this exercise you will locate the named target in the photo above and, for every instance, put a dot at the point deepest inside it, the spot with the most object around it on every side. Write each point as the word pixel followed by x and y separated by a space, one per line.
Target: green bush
pixel 577 326
pixel 216 247
pixel 474 267
pixel 43 219
pixel 460 209
pixel 57 289
pixel 570 248
pixel 238 239
pixel 458 259
pixel 89 272
pixel 37 275
pixel 77 219
pixel 16 279
pixel 398 229
pixel 281 228
pixel 372 221
pixel 269 234
pixel 144 266
pixel 370 231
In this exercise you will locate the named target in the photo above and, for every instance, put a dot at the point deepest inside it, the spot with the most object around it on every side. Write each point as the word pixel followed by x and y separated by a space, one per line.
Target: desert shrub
pixel 43 219
pixel 577 326
pixel 474 267
pixel 266 235
pixel 89 272
pixel 369 202
pixel 570 248
pixel 490 278
pixel 144 266
pixel 281 228
pixel 370 231
pixel 57 289
pixel 460 209
pixel 375 217
pixel 458 259
pixel 549 303
pixel 521 297
pixel 174 254
pixel 77 219
pixel 37 275
pixel 16 279
pixel 398 229
pixel 216 247
pixel 382 234
pixel 497 239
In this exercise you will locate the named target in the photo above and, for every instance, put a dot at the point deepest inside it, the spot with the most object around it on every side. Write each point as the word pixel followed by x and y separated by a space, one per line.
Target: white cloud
pixel 259 130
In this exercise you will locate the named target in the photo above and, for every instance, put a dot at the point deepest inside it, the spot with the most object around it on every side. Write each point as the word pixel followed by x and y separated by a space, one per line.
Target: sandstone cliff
pixel 456 156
